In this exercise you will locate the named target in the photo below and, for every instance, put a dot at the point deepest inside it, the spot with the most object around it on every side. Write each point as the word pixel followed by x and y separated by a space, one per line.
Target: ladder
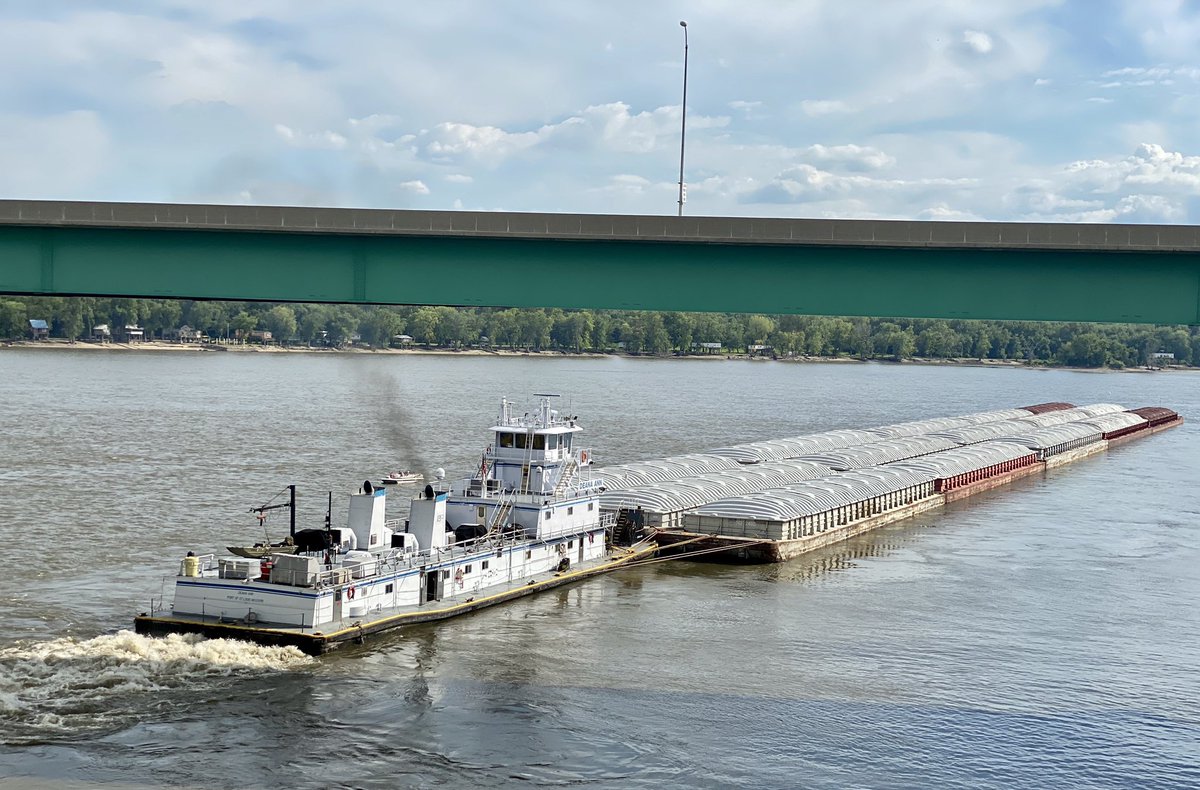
pixel 501 514
pixel 568 473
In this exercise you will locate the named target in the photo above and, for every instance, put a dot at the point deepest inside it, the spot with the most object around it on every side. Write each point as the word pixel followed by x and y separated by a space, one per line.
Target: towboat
pixel 527 519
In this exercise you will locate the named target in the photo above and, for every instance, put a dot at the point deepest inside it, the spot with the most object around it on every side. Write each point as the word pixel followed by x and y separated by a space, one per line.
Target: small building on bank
pixel 39 328
pixel 102 333
pixel 132 333
pixel 184 334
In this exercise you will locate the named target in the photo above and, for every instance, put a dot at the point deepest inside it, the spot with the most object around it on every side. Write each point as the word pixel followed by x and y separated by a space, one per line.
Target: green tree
pixel 423 325
pixel 939 341
pixel 280 320
pixel 243 324
pixel 14 322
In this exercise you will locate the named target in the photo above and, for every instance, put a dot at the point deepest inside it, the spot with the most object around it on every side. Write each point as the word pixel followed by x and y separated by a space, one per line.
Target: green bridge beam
pixel 1122 273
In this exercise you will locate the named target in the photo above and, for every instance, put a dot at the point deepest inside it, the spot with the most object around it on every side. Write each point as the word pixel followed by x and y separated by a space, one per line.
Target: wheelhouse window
pixel 539 441
pixel 520 439
pixel 506 439
pixel 552 441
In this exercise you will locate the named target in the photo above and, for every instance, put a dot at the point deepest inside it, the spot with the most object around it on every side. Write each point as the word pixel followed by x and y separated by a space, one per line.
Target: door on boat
pixel 431 586
pixel 337 605
pixel 580 548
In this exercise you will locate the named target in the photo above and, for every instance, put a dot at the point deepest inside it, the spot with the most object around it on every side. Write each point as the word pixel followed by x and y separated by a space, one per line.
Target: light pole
pixel 683 116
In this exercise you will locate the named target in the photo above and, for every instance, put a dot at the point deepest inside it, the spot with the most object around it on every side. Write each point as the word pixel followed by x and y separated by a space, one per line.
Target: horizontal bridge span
pixel 1029 271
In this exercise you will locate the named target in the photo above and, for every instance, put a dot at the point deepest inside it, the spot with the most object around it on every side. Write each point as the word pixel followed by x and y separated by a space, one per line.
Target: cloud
pixel 804 183
pixel 458 178
pixel 449 142
pixel 417 187
pixel 747 108
pixel 327 139
pixel 852 157
pixel 1150 166
pixel 819 107
pixel 977 42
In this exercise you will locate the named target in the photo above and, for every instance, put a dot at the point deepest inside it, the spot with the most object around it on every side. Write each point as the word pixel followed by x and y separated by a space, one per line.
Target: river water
pixel 1045 634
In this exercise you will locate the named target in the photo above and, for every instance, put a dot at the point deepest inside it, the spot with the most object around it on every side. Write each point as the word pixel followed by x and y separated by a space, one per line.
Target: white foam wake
pixel 63 686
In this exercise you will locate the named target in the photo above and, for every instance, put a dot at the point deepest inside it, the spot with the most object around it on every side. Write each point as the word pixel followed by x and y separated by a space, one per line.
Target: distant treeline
pixel 1087 345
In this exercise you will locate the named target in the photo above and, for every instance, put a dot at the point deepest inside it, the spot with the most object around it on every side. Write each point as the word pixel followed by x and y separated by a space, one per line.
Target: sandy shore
pixel 157 346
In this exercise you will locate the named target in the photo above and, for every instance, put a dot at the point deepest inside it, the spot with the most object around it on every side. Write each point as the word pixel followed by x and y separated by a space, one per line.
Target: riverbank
pixel 163 346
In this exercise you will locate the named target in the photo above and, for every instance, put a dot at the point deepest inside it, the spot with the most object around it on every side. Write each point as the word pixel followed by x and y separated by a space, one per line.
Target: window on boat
pixel 566 441
pixel 591 505
pixel 520 440
pixel 528 554
pixel 466 569
pixel 570 544
pixel 539 441
pixel 506 439
pixel 387 589
pixel 445 574
pixel 552 442
pixel 483 566
pixel 570 511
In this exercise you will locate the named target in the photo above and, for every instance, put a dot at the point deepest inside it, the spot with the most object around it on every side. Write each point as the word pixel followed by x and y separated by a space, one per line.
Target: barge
pixel 775 510
pixel 527 520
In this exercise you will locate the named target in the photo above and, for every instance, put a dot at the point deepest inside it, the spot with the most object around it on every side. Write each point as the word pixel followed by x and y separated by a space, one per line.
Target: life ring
pixel 458 577
pixel 350 593
pixel 583 456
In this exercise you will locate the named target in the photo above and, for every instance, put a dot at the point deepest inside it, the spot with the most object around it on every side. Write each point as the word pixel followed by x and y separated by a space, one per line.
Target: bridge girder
pixel 1120 273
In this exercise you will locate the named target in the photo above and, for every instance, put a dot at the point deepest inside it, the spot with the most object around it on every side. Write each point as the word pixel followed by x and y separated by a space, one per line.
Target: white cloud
pixel 417 187
pixel 459 178
pixel 326 139
pixel 452 141
pixel 854 157
pixel 819 107
pixel 804 183
pixel 978 42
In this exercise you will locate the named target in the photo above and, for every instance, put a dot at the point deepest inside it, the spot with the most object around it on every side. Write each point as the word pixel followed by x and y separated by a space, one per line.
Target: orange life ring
pixel 458 577
pixel 583 456
pixel 350 593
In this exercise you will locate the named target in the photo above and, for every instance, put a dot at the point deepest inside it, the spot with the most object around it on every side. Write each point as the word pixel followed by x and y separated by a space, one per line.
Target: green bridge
pixel 1057 272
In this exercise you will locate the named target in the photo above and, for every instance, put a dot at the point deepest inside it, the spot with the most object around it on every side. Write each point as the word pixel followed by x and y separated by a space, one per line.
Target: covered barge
pixel 777 509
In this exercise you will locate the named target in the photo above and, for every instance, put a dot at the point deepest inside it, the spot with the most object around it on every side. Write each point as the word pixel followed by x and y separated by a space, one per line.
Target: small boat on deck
pixel 399 478
pixel 260 550
pixel 267 548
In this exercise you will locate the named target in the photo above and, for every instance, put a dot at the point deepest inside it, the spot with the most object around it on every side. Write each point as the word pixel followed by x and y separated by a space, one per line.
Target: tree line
pixel 608 331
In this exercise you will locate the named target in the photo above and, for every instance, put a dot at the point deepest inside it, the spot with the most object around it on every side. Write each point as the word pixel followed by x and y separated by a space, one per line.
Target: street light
pixel 683 115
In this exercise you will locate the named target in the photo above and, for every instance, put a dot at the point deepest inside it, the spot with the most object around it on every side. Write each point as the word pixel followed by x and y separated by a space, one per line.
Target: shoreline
pixel 164 346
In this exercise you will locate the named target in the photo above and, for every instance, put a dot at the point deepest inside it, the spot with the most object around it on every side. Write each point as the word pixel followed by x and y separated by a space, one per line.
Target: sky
pixel 1022 110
